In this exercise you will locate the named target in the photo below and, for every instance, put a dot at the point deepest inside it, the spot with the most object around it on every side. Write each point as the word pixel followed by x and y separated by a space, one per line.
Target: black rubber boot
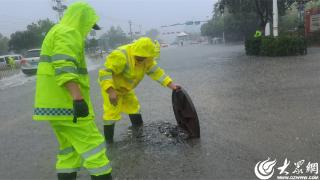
pixel 67 176
pixel 102 177
pixel 108 133
pixel 136 120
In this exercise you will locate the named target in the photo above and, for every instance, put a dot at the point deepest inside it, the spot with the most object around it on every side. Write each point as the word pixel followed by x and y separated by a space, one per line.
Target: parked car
pixel 30 62
pixel 164 45
pixel 3 63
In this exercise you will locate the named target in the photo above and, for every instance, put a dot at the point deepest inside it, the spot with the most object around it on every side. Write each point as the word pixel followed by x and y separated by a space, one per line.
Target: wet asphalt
pixel 250 108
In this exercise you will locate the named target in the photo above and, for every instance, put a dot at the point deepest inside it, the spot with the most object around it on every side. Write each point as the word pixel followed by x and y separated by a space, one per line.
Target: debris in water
pixel 159 133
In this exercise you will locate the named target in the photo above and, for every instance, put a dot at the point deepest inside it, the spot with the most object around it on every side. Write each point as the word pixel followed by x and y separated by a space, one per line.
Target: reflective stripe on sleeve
pixel 153 69
pixel 70 69
pixel 45 58
pixel 105 77
pixel 66 69
pixel 66 150
pixel 161 79
pixel 57 57
pixel 94 151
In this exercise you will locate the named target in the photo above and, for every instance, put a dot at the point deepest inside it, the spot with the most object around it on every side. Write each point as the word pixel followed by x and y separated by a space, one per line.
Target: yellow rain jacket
pixel 123 73
pixel 157 49
pixel 12 62
pixel 62 59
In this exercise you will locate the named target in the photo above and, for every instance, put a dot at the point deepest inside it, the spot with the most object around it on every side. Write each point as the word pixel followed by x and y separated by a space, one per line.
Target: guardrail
pixel 7 70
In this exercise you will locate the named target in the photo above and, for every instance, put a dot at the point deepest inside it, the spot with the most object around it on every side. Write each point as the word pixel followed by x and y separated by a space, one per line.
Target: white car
pixel 164 45
pixel 29 64
pixel 3 63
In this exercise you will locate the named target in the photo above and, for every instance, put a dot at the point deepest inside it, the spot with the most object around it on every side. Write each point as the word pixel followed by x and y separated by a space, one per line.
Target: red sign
pixel 312 21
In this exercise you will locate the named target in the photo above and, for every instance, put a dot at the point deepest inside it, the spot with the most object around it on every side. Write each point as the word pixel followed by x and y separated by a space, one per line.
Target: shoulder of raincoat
pixel 62 60
pixel 115 63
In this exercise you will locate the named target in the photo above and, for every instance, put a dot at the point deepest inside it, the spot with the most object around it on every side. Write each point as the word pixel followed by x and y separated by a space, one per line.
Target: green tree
pixel 113 38
pixel 235 26
pixel 290 21
pixel 3 44
pixel 313 4
pixel 263 8
pixel 239 19
pixel 30 38
pixel 153 34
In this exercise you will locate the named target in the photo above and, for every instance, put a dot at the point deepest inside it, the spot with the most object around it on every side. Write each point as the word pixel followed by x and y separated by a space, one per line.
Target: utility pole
pixel 59 8
pixel 221 8
pixel 140 29
pixel 275 18
pixel 223 37
pixel 130 25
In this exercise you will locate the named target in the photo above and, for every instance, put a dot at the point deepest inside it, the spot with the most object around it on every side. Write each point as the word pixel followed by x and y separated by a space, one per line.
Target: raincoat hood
pixel 81 16
pixel 143 47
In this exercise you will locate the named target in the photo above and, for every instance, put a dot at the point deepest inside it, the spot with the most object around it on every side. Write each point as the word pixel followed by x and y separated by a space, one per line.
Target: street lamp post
pixel 221 8
pixel 275 18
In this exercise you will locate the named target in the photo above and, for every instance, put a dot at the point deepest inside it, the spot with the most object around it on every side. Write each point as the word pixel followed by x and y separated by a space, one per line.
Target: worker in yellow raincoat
pixel 12 62
pixel 125 67
pixel 63 96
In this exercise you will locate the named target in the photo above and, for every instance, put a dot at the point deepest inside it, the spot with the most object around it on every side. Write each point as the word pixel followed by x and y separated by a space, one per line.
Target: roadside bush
pixel 314 38
pixel 252 46
pixel 279 46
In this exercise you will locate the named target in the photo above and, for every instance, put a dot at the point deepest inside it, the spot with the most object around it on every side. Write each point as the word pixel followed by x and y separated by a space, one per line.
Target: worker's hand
pixel 113 98
pixel 80 109
pixel 174 87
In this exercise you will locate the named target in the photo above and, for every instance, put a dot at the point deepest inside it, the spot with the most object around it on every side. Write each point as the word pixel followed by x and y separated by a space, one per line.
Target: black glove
pixel 80 109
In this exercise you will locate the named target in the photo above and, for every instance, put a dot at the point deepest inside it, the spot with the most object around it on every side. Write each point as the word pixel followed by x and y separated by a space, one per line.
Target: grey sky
pixel 16 14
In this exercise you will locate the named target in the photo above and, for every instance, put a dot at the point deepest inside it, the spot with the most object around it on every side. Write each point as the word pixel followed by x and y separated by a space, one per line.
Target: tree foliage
pixel 235 27
pixel 3 44
pixel 113 38
pixel 239 19
pixel 30 38
pixel 289 22
pixel 263 8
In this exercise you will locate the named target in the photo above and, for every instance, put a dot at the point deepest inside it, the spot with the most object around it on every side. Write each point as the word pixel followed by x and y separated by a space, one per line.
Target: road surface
pixel 250 108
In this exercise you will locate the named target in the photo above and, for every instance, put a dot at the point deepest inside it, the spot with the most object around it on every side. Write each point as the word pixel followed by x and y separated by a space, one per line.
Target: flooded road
pixel 249 109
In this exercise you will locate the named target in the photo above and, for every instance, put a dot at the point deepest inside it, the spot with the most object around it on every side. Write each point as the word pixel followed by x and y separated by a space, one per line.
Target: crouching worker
pixel 63 97
pixel 125 67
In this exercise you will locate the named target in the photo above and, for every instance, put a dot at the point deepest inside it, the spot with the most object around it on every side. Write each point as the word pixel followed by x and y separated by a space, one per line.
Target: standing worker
pixel 124 69
pixel 12 62
pixel 62 96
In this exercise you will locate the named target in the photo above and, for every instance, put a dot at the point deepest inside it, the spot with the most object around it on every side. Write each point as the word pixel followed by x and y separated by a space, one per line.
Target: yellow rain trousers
pixel 123 73
pixel 81 144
